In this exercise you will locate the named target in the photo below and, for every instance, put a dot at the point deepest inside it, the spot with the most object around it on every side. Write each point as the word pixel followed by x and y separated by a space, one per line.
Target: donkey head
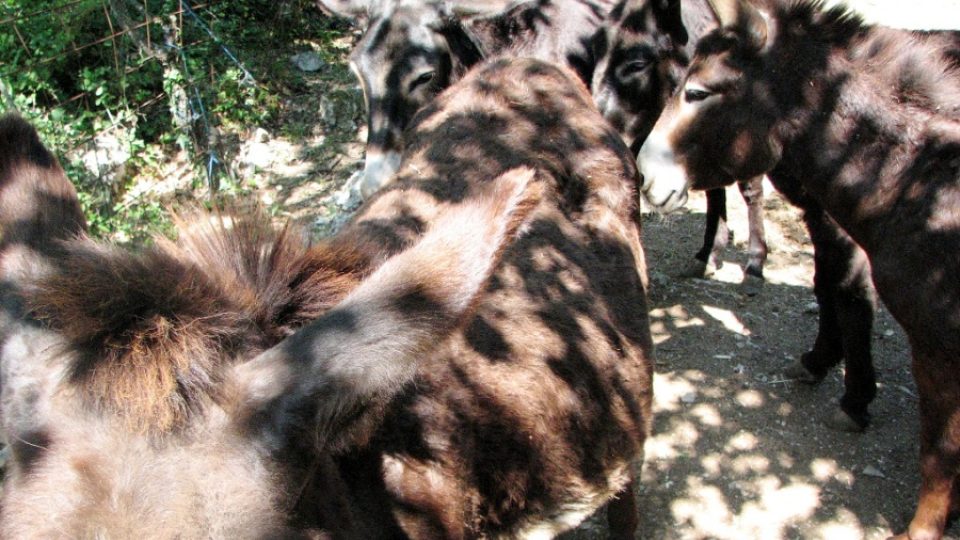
pixel 719 126
pixel 641 60
pixel 409 52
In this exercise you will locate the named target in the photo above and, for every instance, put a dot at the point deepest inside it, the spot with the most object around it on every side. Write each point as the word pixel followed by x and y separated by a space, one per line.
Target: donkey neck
pixel 860 119
pixel 558 31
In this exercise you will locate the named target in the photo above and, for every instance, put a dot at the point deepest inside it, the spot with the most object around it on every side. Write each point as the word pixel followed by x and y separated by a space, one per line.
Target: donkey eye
pixel 634 66
pixel 696 94
pixel 422 79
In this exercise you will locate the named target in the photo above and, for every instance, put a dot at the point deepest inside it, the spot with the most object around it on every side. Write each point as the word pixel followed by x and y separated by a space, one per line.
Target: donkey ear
pixel 669 20
pixel 39 209
pixel 355 10
pixel 362 352
pixel 464 46
pixel 744 18
pixel 38 204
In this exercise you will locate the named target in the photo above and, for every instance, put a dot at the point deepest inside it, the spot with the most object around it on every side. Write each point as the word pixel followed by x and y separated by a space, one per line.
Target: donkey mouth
pixel 665 201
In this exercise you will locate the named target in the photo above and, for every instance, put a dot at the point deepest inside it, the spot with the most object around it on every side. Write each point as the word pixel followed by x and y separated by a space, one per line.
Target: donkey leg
pixel 622 515
pixel 845 294
pixel 827 349
pixel 715 236
pixel 939 443
pixel 752 192
pixel 856 304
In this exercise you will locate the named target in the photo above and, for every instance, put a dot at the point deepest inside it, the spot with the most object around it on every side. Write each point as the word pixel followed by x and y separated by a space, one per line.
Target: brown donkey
pixel 645 53
pixel 530 418
pixel 866 121
pixel 190 389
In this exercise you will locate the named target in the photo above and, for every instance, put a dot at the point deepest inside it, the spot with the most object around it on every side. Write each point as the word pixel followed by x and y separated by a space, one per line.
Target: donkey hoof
pixel 751 285
pixel 841 421
pixel 799 372
pixel 697 269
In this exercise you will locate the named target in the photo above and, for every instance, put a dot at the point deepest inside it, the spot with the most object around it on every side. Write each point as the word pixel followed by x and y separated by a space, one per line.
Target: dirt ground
pixel 739 451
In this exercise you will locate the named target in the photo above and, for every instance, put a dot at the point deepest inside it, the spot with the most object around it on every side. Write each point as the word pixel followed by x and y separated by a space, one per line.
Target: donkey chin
pixel 665 183
pixel 378 171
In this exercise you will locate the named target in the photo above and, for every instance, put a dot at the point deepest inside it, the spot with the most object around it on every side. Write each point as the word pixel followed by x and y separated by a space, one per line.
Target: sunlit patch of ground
pixel 738 450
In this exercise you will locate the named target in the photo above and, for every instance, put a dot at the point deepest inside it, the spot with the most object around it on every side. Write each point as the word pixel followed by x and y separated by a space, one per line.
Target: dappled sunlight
pixel 845 524
pixel 739 483
pixel 770 510
pixel 779 506
pixel 750 398
pixel 708 415
pixel 751 463
pixel 727 319
pixel 679 442
pixel 824 469
pixel 708 510
pixel 741 442
pixel 663 321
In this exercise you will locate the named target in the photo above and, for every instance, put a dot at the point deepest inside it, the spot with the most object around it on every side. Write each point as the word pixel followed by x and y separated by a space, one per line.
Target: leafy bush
pixel 148 73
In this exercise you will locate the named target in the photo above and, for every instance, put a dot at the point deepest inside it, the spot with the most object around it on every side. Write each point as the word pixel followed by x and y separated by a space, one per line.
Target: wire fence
pixel 89 70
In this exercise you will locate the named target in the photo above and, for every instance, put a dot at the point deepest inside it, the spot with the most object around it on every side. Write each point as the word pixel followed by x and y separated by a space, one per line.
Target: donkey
pixel 641 55
pixel 867 123
pixel 188 390
pixel 533 414
pixel 641 66
pixel 410 51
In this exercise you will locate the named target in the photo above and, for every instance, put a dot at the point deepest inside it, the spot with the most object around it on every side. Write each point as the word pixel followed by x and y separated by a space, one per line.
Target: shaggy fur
pixel 193 389
pixel 167 320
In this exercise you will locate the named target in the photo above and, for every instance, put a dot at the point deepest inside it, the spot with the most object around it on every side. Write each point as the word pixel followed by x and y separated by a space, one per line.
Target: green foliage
pixel 148 74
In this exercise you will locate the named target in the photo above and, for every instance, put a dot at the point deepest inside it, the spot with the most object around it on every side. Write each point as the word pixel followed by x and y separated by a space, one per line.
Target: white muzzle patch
pixel 664 180
pixel 378 171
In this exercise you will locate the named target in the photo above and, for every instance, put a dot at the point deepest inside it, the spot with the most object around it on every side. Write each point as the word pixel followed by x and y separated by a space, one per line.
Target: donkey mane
pixel 836 22
pixel 915 64
pixel 168 320
pixel 921 68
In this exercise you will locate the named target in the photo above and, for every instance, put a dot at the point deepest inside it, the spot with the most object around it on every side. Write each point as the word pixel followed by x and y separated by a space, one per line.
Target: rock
pixel 261 135
pixel 870 470
pixel 107 155
pixel 257 155
pixel 328 111
pixel 307 61
pixel 689 397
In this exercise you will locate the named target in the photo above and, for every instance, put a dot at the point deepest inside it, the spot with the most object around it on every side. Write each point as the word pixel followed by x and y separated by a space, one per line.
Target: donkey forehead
pixel 397 34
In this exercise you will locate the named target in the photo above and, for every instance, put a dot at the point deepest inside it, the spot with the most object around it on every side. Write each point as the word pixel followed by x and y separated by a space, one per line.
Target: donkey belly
pixel 512 451
pixel 529 419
